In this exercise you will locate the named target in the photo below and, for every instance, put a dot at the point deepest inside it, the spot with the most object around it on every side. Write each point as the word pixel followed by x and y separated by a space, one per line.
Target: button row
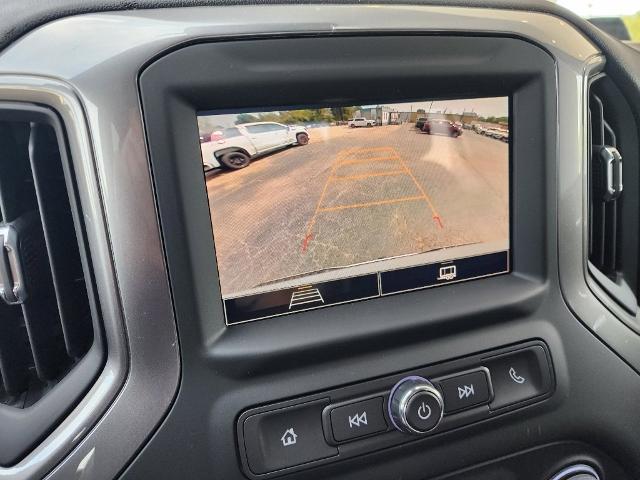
pixel 293 436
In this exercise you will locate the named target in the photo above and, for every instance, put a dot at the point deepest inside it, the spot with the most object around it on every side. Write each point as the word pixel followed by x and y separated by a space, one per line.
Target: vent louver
pixel 51 347
pixel 613 195
pixel 606 189
pixel 46 324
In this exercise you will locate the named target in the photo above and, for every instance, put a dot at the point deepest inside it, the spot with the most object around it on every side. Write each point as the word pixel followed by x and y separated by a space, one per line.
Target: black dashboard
pixel 405 245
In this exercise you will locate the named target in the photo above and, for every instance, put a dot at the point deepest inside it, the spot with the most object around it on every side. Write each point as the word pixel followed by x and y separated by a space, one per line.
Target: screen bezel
pixel 507 252
pixel 170 103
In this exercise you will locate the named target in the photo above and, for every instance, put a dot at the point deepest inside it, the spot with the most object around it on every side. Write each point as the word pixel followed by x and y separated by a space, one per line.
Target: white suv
pixel 240 144
pixel 361 122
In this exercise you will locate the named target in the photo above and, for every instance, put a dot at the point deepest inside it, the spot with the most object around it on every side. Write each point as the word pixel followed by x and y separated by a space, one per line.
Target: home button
pixel 286 437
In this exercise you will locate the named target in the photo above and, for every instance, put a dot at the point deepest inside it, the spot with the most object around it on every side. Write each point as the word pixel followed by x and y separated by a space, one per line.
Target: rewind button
pixel 357 419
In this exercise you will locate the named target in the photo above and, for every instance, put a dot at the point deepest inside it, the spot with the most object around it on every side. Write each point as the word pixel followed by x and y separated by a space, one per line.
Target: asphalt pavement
pixel 352 196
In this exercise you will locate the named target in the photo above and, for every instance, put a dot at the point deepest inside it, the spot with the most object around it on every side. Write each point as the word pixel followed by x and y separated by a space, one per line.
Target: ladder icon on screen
pixel 305 295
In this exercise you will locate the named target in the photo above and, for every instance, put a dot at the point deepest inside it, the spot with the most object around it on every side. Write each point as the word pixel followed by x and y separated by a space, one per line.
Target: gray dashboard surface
pixel 18 17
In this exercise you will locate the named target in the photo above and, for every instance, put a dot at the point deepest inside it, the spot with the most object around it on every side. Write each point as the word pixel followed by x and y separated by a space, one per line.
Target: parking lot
pixel 353 196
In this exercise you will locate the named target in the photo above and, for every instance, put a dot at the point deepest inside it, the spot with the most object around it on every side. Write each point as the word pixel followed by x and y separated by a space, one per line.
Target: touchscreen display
pixel 313 207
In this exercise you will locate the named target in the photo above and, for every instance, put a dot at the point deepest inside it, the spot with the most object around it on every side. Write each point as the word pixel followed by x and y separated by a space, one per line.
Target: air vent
pixel 47 315
pixel 613 193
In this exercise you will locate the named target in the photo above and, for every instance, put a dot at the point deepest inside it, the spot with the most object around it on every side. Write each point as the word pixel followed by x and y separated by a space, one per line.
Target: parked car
pixel 497 133
pixel 420 122
pixel 502 135
pixel 361 122
pixel 442 126
pixel 240 144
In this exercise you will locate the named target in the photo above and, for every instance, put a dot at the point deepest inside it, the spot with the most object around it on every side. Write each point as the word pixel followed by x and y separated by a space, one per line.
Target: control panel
pixel 372 415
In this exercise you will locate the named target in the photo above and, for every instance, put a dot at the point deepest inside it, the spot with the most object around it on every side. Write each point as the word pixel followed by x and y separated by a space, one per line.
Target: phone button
pixel 519 376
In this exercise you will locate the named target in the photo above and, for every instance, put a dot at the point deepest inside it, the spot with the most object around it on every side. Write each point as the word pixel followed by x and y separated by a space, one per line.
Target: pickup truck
pixel 237 146
pixel 361 122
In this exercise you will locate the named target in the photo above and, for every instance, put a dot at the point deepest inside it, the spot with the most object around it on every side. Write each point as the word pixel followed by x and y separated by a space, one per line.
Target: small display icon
pixel 447 273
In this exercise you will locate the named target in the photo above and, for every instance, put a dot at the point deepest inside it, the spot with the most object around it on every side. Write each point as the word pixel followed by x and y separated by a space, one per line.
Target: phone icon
pixel 515 377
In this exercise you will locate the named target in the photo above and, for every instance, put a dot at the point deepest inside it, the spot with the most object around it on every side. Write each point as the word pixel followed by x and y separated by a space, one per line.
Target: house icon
pixel 289 437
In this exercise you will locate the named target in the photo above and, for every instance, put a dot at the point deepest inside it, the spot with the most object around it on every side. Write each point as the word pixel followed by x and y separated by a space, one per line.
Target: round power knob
pixel 577 472
pixel 415 405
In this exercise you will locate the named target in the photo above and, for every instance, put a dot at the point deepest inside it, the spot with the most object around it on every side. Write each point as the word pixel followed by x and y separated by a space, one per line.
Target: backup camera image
pixel 315 207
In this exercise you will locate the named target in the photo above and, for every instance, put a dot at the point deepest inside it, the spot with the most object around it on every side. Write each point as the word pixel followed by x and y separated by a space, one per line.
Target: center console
pixel 470 172
pixel 334 425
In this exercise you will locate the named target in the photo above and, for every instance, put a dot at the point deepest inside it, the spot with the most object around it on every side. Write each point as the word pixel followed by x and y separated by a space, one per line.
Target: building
pixel 469 117
pixel 380 113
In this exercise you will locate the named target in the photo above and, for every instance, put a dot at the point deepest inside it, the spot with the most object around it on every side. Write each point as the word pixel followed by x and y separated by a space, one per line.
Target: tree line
pixel 494 119
pixel 317 115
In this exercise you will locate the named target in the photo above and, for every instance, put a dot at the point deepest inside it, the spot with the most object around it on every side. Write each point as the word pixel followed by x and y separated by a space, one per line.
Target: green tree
pixel 341 114
pixel 246 118
pixel 350 112
pixel 323 115
pixel 320 115
pixel 270 117
pixel 294 116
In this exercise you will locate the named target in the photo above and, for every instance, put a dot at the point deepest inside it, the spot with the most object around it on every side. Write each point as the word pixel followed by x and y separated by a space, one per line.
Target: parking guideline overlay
pixel 353 156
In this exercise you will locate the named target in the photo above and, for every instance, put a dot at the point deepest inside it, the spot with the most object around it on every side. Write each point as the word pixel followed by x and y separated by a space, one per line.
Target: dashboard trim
pixel 583 295
pixel 147 385
pixel 61 98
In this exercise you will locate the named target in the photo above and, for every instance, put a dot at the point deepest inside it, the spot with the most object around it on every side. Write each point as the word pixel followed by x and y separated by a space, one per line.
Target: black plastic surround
pixel 311 355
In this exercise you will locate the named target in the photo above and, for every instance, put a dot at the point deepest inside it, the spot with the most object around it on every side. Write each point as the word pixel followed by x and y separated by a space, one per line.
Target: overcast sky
pixel 225 120
pixel 601 8
pixel 485 107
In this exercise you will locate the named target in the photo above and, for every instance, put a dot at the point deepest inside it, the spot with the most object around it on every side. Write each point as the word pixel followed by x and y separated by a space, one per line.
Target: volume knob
pixel 415 405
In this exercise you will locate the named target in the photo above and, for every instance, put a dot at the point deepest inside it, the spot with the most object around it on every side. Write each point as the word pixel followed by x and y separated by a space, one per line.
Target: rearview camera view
pixel 317 207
